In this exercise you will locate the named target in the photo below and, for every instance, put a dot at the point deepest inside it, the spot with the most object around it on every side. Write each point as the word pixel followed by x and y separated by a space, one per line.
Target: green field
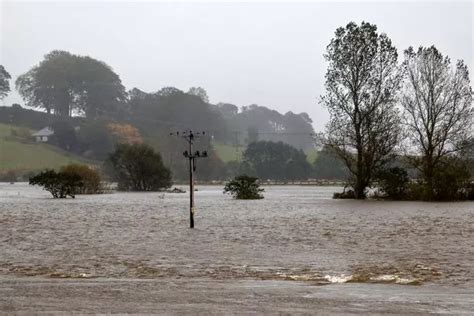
pixel 21 153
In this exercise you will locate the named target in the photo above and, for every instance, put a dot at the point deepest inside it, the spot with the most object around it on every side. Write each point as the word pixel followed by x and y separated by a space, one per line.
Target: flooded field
pixel 297 241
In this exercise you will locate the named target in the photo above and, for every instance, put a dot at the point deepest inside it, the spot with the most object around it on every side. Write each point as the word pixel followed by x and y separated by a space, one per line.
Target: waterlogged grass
pixel 21 153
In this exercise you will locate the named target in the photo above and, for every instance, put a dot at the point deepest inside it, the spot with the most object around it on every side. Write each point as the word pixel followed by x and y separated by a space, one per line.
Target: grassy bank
pixel 19 152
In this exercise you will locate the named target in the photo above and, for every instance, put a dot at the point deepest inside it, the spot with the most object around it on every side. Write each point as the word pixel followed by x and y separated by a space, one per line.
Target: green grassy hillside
pixel 18 151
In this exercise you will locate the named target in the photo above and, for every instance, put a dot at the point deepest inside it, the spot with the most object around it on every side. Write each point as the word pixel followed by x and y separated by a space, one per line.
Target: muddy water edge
pixel 296 246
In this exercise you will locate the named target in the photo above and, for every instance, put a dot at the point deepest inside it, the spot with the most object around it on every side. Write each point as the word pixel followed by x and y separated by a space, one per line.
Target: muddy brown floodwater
pixel 296 251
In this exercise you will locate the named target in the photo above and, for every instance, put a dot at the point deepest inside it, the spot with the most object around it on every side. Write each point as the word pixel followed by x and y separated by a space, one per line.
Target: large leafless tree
pixel 438 111
pixel 362 84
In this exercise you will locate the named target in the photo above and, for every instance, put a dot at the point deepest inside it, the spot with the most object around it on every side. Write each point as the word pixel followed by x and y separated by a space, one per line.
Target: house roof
pixel 44 132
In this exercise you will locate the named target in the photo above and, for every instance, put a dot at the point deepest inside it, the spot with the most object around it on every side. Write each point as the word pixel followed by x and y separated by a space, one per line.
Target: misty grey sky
pixel 266 53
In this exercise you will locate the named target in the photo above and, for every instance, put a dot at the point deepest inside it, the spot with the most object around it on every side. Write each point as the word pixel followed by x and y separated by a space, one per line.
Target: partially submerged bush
pixel 450 180
pixel 137 167
pixel 71 180
pixel 468 192
pixel 244 188
pixel 393 182
pixel 59 184
pixel 349 194
pixel 90 178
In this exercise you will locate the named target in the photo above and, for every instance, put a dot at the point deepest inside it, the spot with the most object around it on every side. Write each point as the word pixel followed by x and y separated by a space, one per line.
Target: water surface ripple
pixel 296 233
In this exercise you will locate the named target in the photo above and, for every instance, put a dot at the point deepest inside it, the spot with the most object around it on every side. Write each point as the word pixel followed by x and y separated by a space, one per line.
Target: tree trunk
pixel 359 187
pixel 429 175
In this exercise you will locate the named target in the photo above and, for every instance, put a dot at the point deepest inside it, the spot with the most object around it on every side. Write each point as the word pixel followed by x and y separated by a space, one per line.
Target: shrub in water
pixel 244 188
pixel 393 182
pixel 137 167
pixel 349 194
pixel 59 184
pixel 90 178
pixel 450 180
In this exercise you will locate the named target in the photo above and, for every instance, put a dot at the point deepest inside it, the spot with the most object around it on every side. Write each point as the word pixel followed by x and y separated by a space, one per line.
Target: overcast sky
pixel 266 53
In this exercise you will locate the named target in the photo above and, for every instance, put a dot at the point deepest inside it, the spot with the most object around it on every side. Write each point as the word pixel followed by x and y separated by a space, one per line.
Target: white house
pixel 42 136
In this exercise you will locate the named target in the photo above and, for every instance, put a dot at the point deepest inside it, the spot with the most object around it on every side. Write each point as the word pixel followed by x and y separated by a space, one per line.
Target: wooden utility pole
pixel 189 137
pixel 191 180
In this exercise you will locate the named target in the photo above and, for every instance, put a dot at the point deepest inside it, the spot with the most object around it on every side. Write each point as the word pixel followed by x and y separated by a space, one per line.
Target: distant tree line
pixel 82 99
pixel 67 85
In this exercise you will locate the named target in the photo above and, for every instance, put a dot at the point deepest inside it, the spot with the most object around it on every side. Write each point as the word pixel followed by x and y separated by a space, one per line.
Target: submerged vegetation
pixel 137 167
pixel 59 184
pixel 71 180
pixel 393 182
pixel 244 187
pixel 90 178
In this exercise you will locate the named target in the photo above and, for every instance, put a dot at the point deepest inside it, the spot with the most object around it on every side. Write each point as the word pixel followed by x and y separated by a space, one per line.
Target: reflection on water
pixel 295 233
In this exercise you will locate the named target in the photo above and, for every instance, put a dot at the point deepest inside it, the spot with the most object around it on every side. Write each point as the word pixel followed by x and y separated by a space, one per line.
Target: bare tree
pixel 362 83
pixel 438 111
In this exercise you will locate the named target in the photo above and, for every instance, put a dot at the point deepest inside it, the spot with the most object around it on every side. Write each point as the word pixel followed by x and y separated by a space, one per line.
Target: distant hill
pixel 18 152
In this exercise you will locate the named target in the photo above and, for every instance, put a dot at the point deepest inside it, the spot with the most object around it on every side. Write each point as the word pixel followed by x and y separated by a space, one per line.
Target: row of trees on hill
pixel 171 107
pixel 261 123
pixel 379 106
pixel 67 85
pixel 82 99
